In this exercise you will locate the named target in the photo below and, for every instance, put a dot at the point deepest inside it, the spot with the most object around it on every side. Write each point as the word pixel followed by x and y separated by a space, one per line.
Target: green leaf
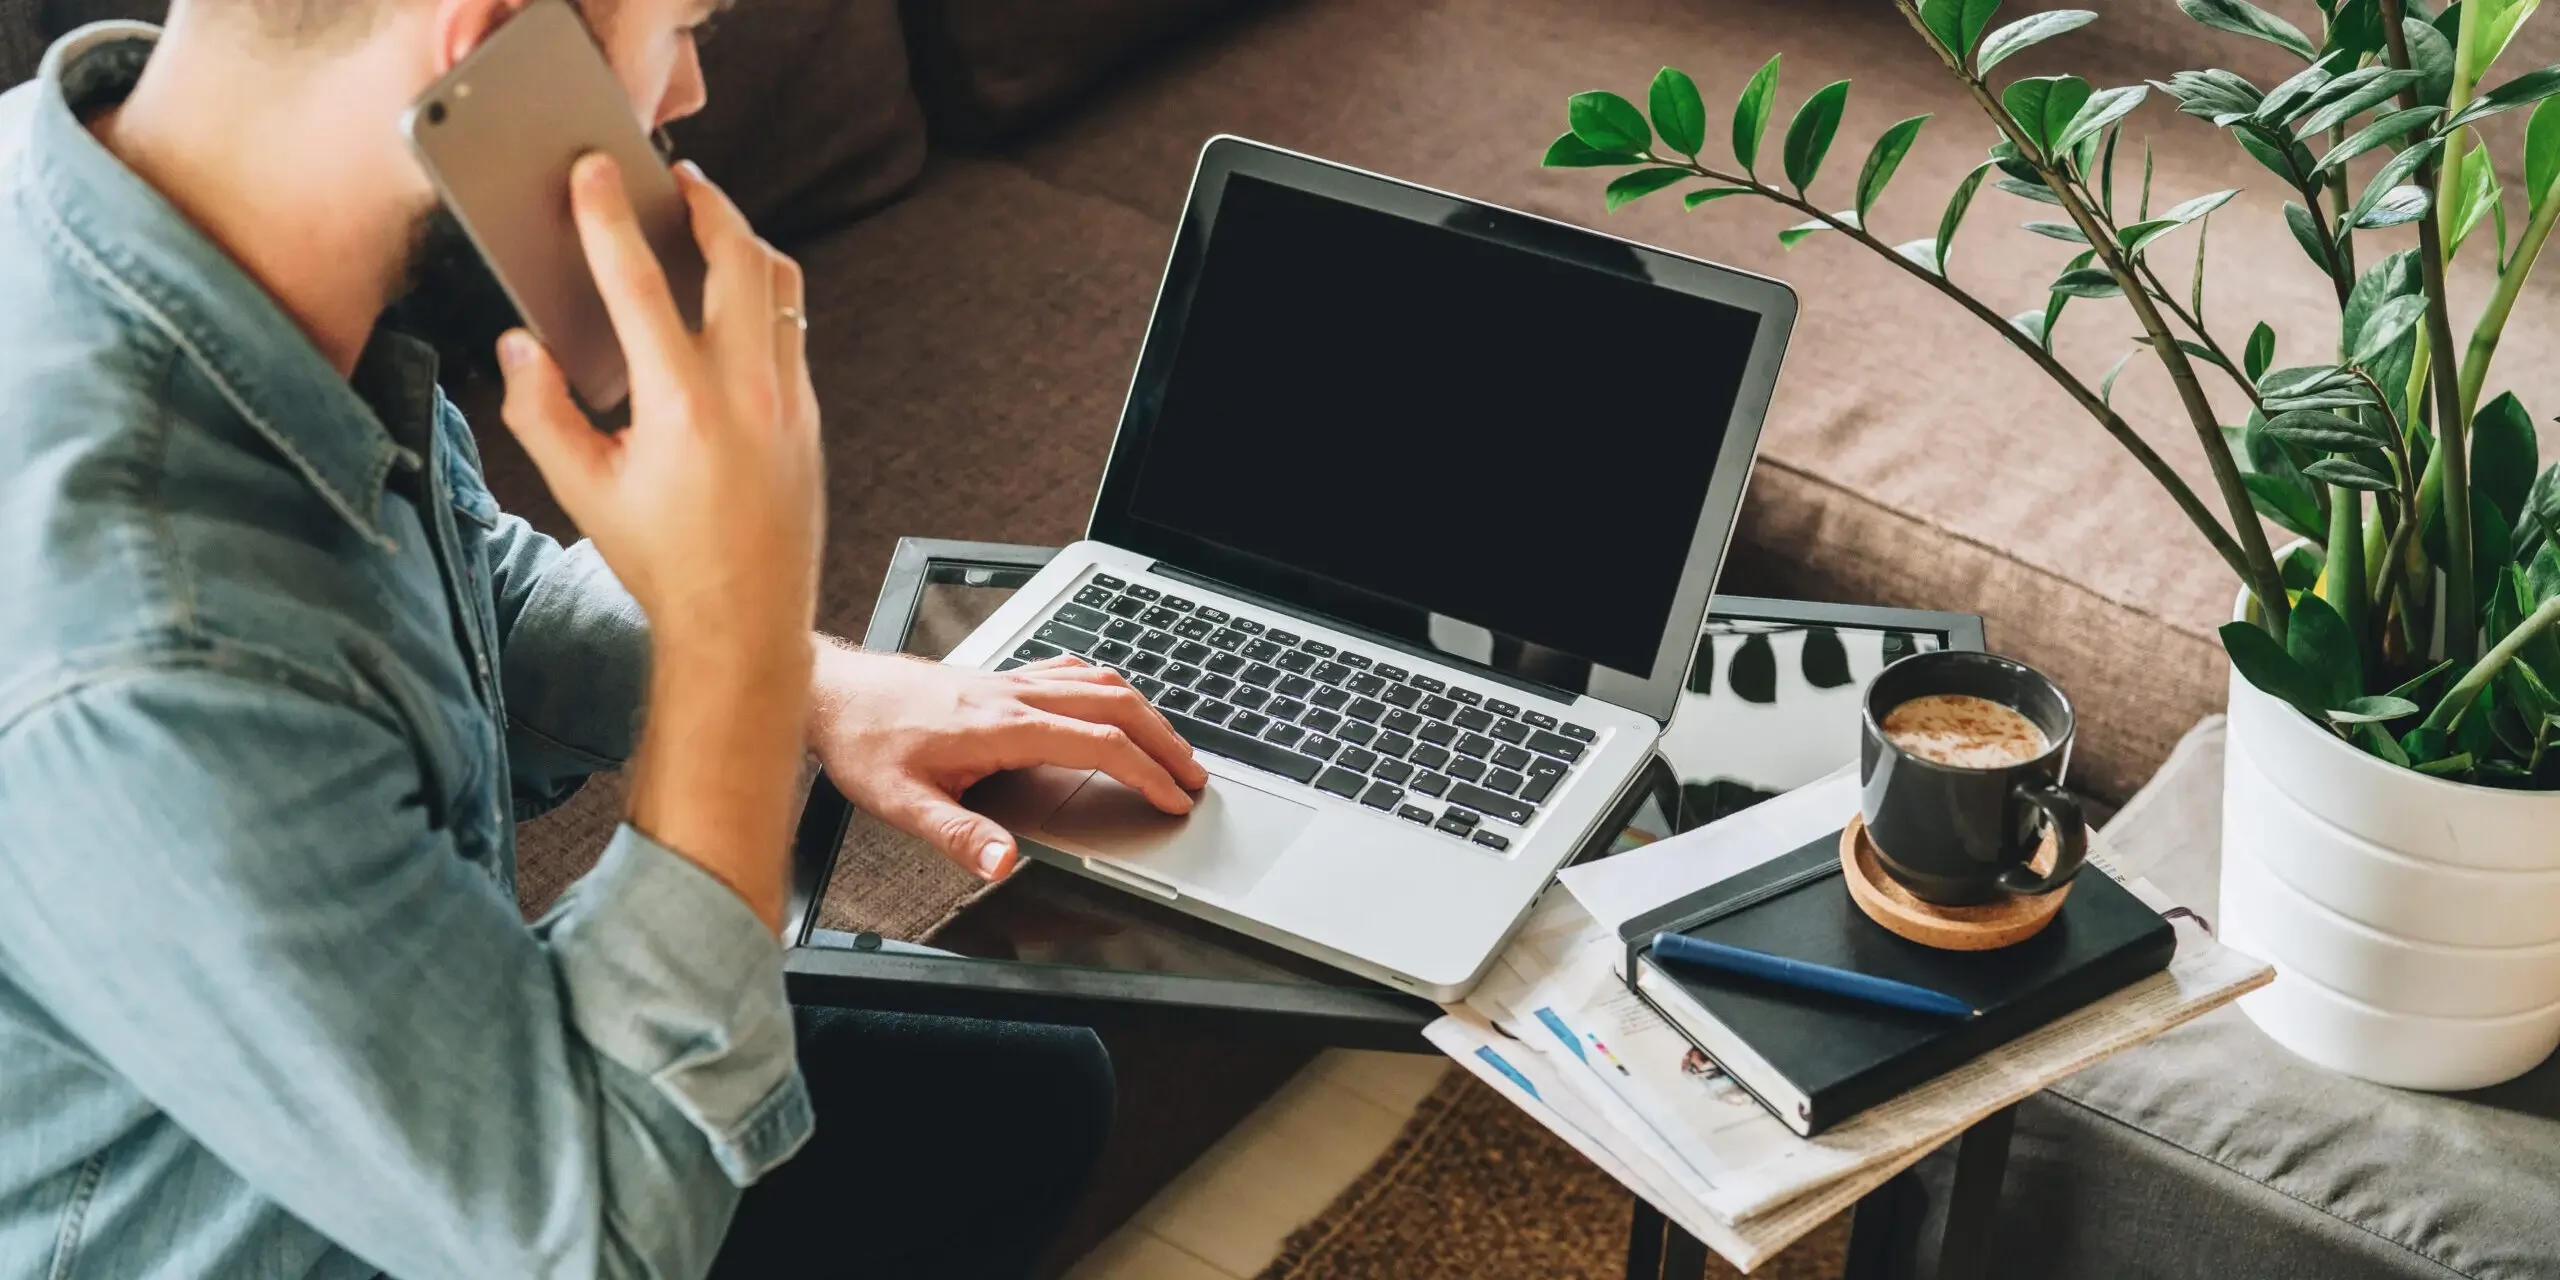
pixel 1796 234
pixel 2035 191
pixel 2013 162
pixel 1954 215
pixel 2450 766
pixel 1606 122
pixel 2304 380
pixel 1809 135
pixel 2032 324
pixel 2390 128
pixel 2239 17
pixel 1884 158
pixel 2415 686
pixel 2263 663
pixel 2545 577
pixel 2293 97
pixel 1751 114
pixel 2352 95
pixel 2394 172
pixel 2373 739
pixel 2372 710
pixel 2032 29
pixel 2282 156
pixel 2541 152
pixel 2542 511
pixel 2319 639
pixel 2504 455
pixel 2062 231
pixel 2355 29
pixel 1643 182
pixel 2103 108
pixel 2431 54
pixel 2393 277
pixel 1922 252
pixel 1957 24
pixel 2302 567
pixel 2389 323
pixel 2475 190
pixel 2044 106
pixel 2327 432
pixel 1571 152
pixel 2107 384
pixel 2141 234
pixel 1679 115
pixel 2307 234
pixel 2288 503
pixel 2087 282
pixel 2399 206
pixel 2423 745
pixel 1704 194
pixel 2498 24
pixel 2532 86
pixel 2347 473
pixel 2260 352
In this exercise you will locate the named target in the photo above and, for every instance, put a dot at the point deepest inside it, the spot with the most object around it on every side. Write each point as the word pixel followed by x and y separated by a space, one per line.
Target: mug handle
pixel 2070 831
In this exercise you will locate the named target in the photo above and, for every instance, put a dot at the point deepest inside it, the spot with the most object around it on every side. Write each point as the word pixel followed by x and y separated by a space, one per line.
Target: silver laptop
pixel 1409 528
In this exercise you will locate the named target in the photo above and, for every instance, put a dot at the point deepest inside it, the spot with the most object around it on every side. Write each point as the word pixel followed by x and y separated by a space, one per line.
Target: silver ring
pixel 796 316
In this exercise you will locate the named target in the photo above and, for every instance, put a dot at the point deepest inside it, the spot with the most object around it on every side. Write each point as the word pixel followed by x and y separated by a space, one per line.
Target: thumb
pixel 972 841
pixel 564 446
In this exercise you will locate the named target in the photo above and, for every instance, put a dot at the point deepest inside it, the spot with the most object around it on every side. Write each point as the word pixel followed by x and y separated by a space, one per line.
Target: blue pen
pixel 1806 976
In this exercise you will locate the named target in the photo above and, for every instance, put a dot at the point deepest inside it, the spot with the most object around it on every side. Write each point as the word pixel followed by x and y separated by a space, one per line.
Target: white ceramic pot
pixel 2414 922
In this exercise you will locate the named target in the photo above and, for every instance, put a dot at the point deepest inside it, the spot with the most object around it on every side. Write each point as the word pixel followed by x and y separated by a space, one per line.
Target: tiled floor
pixel 1226 1216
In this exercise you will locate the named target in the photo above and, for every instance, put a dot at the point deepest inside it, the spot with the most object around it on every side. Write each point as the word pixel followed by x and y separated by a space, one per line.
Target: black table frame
pixel 829 967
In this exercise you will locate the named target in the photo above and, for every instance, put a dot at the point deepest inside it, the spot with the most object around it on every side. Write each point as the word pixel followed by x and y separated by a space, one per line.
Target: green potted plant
pixel 2392 799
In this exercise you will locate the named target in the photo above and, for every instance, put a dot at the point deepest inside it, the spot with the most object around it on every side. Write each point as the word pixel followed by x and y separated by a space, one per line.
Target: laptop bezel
pixel 1655 693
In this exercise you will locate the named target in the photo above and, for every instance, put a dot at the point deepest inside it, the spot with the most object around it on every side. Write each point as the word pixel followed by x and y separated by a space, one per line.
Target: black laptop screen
pixel 1443 424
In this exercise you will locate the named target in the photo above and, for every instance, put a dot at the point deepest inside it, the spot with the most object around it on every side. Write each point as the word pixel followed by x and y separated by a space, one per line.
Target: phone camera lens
pixel 435 113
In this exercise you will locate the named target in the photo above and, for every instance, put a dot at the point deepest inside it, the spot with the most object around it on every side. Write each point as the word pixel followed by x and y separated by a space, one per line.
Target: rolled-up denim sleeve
pixel 275 944
pixel 574 649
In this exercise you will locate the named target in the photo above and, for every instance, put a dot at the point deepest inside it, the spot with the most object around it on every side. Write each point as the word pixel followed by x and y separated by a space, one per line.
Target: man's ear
pixel 461 25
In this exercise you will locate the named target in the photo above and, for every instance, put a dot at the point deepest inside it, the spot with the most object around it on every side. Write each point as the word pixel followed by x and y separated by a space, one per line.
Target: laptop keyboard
pixel 1435 754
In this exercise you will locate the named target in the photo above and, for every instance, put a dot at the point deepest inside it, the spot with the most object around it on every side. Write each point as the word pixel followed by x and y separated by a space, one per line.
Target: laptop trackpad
pixel 1226 843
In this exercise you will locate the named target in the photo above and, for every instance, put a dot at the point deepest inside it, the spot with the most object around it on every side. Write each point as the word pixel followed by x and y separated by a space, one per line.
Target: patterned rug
pixel 1475 1190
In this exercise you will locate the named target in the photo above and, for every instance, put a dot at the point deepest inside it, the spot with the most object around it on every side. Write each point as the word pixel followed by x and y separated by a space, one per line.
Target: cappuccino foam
pixel 1964 731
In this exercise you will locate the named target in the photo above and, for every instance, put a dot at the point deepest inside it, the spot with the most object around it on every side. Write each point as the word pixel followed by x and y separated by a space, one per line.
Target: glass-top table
pixel 1771 704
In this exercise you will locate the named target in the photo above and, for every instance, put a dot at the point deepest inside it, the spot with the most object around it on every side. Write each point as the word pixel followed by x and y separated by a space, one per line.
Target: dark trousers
pixel 945 1148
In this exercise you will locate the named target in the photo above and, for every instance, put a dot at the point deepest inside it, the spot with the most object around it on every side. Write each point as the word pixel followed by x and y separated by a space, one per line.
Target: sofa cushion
pixel 992 67
pixel 1911 456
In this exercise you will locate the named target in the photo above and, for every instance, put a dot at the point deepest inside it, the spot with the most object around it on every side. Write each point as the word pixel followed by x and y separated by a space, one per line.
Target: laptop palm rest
pixel 1231 837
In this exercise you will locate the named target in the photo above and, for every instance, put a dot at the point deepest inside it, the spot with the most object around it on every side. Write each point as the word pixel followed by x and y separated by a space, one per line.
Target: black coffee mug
pixel 1958 836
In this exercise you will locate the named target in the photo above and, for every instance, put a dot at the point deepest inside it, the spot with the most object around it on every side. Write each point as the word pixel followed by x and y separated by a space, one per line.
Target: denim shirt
pixel 277 678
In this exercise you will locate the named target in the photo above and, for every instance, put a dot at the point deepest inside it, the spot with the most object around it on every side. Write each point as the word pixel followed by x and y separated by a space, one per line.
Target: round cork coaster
pixel 2004 922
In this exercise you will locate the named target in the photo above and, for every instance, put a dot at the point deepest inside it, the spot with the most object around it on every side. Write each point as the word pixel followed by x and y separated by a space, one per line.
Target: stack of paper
pixel 1554 1028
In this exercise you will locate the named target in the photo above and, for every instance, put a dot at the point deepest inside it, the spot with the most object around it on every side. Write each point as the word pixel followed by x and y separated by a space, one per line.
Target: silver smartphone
pixel 497 136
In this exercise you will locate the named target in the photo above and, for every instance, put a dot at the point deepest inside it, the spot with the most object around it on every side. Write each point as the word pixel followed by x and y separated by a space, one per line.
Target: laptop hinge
pixel 1552 693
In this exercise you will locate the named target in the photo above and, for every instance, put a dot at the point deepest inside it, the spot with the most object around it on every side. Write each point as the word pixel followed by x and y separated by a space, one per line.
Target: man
pixel 277 679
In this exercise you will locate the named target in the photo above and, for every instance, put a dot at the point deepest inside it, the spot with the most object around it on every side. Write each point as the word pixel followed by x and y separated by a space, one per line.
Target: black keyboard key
pixel 1510 731
pixel 1467 768
pixel 1071 639
pixel 1194 628
pixel 1279 636
pixel 1145 593
pixel 1034 651
pixel 1157 641
pixel 1178 604
pixel 1093 596
pixel 1160 617
pixel 1539 719
pixel 1317 647
pixel 1261 650
pixel 1125 607
pixel 1250 697
pixel 1538 788
pixel 1548 744
pixel 1475 744
pixel 1546 767
pixel 1286 735
pixel 1449 823
pixel 1486 802
pixel 1393 744
pixel 1123 630
pixel 1395 771
pixel 1177 700
pixel 1360 660
pixel 1430 784
pixel 1356 731
pixel 1476 718
pixel 1341 782
pixel 1008 664
pixel 1320 720
pixel 1296 660
pixel 1249 722
pixel 1216 686
pixel 1081 618
pixel 1111 651
pixel 1359 758
pixel 1294 686
pixel 1182 674
pixel 1285 708
pixel 1258 674
pixel 1411 814
pixel 1402 721
pixel 1367 684
pixel 1437 707
pixel 1468 696
pixel 1440 732
pixel 1428 684
pixel 1331 696
pixel 1320 746
pixel 1147 686
pixel 1430 757
pixel 1382 795
pixel 1331 672
pixel 1368 709
pixel 1393 672
pixel 1106 580
pixel 1580 734
pixel 1213 615
pixel 1213 711
pixel 1227 638
pixel 1247 626
pixel 1504 781
pixel 1463 818
pixel 1146 663
pixel 1512 757
pixel 1218 740
pixel 1402 695
pixel 1491 841
pixel 1225 664
pixel 1500 708
pixel 1191 651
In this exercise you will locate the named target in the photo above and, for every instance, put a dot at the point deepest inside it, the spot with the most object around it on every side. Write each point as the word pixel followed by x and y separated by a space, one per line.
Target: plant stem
pixel 2462 620
pixel 2467 69
pixel 2493 318
pixel 2467 690
pixel 2338 196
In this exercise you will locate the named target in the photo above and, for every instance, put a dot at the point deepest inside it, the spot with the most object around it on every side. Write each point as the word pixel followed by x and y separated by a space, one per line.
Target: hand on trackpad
pixel 1226 843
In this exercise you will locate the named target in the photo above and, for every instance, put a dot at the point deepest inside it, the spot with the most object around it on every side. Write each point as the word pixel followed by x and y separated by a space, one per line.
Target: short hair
pixel 318 22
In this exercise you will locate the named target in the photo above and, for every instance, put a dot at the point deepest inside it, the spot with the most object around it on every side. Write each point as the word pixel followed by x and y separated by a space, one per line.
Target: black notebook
pixel 1817 1059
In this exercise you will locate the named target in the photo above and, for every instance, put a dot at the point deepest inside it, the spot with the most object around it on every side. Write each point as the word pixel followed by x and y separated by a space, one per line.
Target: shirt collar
pixel 124 235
